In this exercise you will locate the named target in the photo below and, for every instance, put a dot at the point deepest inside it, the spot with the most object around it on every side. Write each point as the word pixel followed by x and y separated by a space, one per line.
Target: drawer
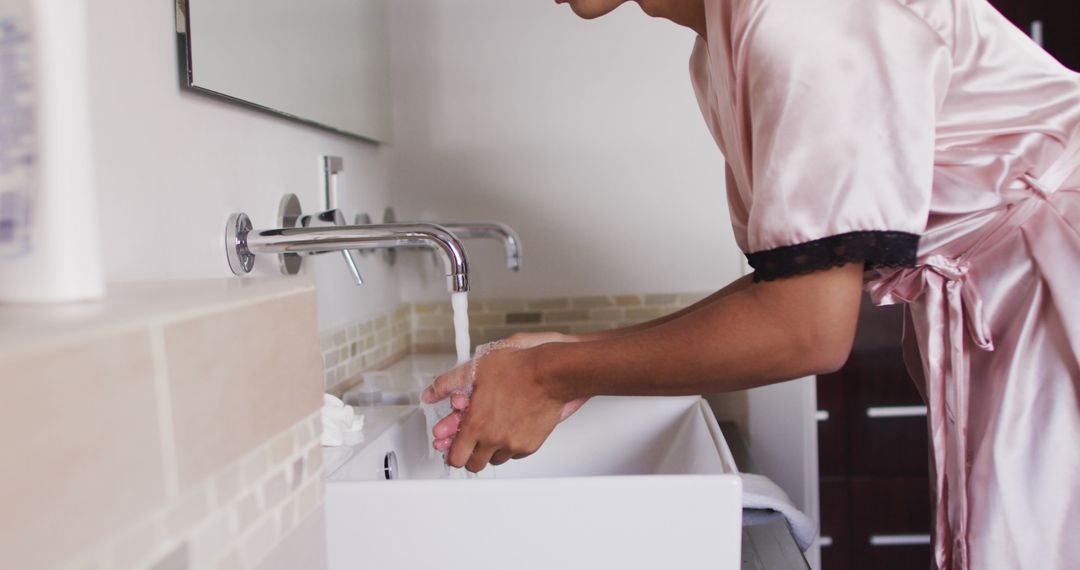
pixel 835 525
pixel 831 426
pixel 885 417
pixel 890 523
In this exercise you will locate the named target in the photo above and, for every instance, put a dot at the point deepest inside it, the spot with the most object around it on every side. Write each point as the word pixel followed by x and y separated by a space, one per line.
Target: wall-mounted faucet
pixel 491 230
pixel 243 243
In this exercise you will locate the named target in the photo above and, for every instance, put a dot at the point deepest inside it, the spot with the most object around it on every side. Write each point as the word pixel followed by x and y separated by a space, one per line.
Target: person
pixel 926 149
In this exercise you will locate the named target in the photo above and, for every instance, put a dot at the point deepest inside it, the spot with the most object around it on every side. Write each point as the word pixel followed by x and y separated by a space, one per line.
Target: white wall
pixel 171 166
pixel 584 136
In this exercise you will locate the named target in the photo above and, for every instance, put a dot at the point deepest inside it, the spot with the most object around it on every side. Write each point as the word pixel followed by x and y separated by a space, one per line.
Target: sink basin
pixel 625 483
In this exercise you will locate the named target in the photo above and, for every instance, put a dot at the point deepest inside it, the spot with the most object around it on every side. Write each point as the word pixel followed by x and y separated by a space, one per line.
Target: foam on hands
pixel 433 413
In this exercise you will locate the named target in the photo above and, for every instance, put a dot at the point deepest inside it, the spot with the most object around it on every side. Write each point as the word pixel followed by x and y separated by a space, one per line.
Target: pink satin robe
pixel 937 118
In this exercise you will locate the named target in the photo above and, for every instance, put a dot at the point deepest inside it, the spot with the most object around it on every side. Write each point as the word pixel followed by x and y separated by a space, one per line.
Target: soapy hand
pixel 458 384
pixel 509 413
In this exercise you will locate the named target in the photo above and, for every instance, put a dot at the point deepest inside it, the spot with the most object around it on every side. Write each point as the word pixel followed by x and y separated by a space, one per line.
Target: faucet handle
pixel 334 217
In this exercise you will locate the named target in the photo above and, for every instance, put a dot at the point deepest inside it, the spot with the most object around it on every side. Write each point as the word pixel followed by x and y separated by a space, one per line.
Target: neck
pixel 687 13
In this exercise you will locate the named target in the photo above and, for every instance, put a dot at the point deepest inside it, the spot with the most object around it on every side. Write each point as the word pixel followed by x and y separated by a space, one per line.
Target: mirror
pixel 322 62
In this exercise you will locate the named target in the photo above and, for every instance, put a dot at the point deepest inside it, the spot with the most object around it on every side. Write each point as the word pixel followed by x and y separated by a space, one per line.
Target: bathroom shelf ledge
pixel 133 305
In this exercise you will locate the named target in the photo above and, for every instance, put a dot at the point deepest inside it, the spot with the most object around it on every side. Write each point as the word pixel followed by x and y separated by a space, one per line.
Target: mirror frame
pixel 185 66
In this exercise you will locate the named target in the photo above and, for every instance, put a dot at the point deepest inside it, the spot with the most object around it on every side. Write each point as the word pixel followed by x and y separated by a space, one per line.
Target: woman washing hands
pixel 926 149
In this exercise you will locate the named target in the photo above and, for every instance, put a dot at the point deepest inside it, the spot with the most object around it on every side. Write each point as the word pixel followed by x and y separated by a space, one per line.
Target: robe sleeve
pixel 840 98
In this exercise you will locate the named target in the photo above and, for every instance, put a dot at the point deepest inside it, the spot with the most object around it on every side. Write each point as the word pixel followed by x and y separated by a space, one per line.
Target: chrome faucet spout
pixel 243 243
pixel 492 230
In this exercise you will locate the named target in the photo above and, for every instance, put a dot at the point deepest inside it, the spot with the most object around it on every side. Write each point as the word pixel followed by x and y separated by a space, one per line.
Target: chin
pixel 590 9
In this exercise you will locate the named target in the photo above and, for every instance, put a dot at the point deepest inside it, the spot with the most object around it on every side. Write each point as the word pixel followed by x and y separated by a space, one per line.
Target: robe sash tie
pixel 952 307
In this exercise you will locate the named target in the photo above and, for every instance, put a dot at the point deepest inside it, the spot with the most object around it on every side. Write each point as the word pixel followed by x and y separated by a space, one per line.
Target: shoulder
pixel 787 21
pixel 837 32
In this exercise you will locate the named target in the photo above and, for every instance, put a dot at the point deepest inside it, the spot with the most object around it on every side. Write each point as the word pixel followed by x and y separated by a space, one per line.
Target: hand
pixel 457 384
pixel 509 414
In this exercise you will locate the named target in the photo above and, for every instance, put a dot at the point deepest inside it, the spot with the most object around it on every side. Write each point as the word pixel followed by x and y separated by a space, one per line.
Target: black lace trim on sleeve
pixel 876 249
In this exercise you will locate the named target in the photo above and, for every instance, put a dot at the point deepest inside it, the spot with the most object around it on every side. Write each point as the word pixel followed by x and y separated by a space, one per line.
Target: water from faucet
pixel 460 303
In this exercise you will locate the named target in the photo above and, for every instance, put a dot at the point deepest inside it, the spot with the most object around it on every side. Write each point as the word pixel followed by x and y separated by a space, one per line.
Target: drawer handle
pixel 896 412
pixel 1037 31
pixel 899 539
pixel 822 415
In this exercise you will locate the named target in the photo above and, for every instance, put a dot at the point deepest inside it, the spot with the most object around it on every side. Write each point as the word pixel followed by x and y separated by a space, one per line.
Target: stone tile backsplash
pixel 170 426
pixel 420 328
pixel 232 519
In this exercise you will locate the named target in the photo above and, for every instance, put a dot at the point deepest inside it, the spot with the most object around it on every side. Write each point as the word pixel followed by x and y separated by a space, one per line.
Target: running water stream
pixel 435 412
pixel 460 303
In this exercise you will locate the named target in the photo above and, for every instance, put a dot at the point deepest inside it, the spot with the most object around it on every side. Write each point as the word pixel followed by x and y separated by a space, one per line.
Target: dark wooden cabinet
pixel 872 442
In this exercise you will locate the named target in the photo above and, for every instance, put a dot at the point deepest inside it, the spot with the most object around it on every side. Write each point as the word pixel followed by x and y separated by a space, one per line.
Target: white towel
pixel 341 424
pixel 759 492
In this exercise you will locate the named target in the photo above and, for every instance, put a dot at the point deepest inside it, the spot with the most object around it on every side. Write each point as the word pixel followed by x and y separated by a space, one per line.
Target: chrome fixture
pixel 390 466
pixel 243 243
pixel 491 230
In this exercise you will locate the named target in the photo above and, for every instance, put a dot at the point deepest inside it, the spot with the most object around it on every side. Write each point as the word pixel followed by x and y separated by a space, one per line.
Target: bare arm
pixel 733 287
pixel 760 334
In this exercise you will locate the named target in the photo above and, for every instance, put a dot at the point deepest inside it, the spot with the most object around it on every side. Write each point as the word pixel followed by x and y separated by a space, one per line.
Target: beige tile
pixel 282 447
pixel 259 542
pixel 591 302
pixel 503 305
pixel 434 321
pixel 253 467
pixel 434 348
pixel 313 461
pixel 606 315
pixel 274 490
pixel 427 308
pixel 210 542
pixel 547 304
pixel 239 377
pixel 573 316
pixel 664 299
pixel 78 422
pixel 226 485
pixel 627 300
pixel 645 314
pixel 524 318
pixel 247 511
pixel 309 497
pixel 487 319
pixel 687 299
pixel 296 473
pixel 187 511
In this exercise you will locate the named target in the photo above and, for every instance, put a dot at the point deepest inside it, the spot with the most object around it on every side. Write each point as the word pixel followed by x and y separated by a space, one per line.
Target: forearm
pixel 758 335
pixel 733 287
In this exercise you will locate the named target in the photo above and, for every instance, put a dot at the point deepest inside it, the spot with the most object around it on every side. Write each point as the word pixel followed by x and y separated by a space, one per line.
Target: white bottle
pixel 49 243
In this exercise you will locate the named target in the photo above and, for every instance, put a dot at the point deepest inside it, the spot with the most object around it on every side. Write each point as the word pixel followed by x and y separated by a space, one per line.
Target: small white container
pixel 49 243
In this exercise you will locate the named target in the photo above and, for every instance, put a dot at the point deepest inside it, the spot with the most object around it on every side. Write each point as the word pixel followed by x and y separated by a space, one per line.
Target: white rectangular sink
pixel 627 483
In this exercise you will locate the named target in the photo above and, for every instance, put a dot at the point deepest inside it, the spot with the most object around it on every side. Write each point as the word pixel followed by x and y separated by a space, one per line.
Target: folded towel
pixel 759 492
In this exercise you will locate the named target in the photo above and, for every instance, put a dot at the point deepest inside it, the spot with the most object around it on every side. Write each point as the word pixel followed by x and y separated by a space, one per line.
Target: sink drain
pixel 390 469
